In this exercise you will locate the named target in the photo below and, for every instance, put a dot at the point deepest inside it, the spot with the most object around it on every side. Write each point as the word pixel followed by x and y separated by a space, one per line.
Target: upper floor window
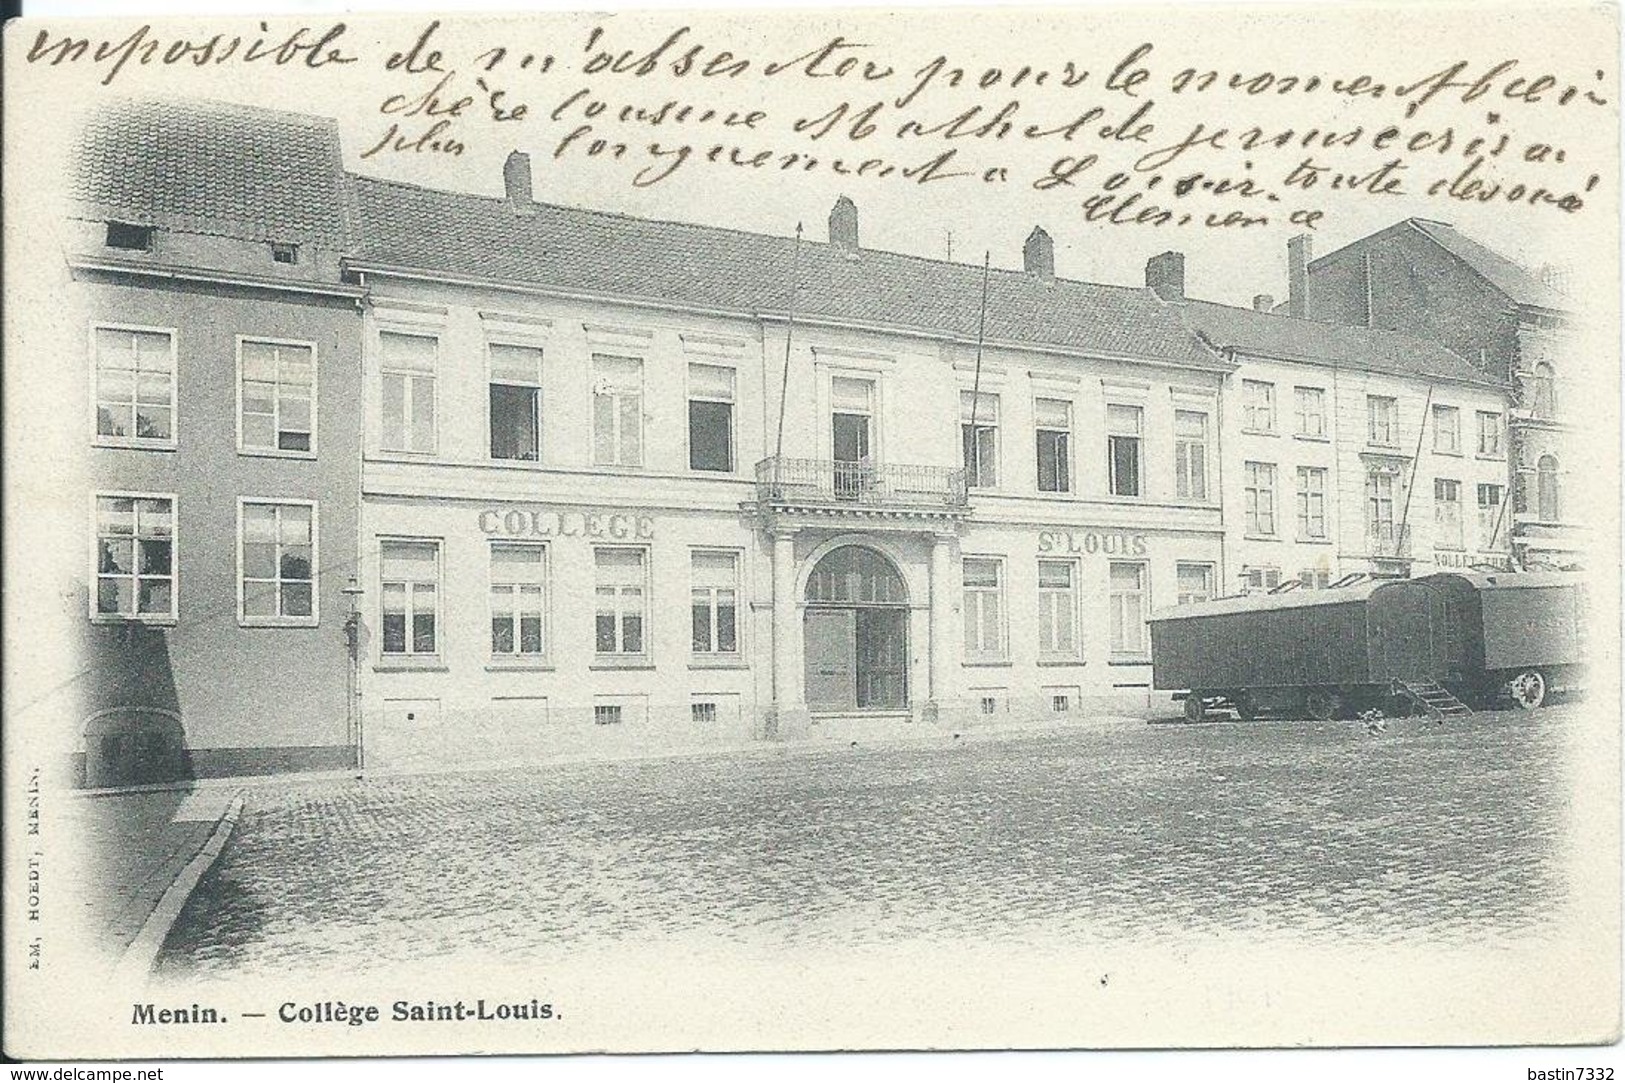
pixel 1123 429
pixel 1549 488
pixel 284 252
pixel 1311 502
pixel 1052 418
pixel 1379 499
pixel 278 396
pixel 1190 455
pixel 135 387
pixel 1311 408
pixel 407 367
pixel 617 410
pixel 1447 513
pixel 1543 392
pixel 277 563
pixel 1489 433
pixel 1260 499
pixel 1490 499
pixel 131 237
pixel 710 418
pixel 135 557
pixel 1382 420
pixel 979 435
pixel 1446 430
pixel 1258 406
pixel 516 402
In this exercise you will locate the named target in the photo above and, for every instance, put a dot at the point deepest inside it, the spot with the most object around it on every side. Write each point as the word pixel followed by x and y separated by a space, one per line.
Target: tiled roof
pixel 1511 279
pixel 206 167
pixel 618 256
pixel 1280 336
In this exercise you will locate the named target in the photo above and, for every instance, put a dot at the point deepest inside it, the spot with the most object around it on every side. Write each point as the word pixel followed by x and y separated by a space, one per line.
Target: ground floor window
pixel 1447 513
pixel 518 600
pixel 984 607
pixel 622 601
pixel 1127 608
pixel 1195 583
pixel 714 603
pixel 1057 608
pixel 1489 515
pixel 135 557
pixel 410 596
pixel 277 563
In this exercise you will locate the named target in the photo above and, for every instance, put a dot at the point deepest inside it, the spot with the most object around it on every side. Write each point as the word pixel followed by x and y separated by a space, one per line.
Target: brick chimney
pixel 1297 276
pixel 1165 275
pixel 843 224
pixel 516 179
pixel 1038 254
pixel 1263 302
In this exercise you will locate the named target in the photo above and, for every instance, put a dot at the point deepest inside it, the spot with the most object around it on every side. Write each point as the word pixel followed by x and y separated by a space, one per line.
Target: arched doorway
pixel 856 633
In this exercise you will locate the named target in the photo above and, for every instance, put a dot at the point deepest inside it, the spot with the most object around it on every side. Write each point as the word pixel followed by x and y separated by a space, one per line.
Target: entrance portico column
pixel 938 708
pixel 788 717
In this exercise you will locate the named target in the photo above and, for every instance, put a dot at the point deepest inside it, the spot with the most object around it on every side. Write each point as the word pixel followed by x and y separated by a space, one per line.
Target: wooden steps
pixel 1434 698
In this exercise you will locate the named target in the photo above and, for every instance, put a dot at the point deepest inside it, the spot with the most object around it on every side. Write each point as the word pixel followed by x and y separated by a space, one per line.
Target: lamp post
pixel 352 684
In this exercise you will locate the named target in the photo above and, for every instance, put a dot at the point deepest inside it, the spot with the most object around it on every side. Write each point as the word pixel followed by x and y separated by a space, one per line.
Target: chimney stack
pixel 1165 275
pixel 516 179
pixel 1263 302
pixel 843 224
pixel 1297 276
pixel 1038 254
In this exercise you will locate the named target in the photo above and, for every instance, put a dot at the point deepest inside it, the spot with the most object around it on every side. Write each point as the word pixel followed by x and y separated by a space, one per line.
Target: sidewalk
pixel 143 852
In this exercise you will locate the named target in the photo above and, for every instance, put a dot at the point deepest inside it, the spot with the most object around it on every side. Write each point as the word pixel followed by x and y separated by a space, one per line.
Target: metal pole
pixel 1410 486
pixel 976 380
pixel 784 383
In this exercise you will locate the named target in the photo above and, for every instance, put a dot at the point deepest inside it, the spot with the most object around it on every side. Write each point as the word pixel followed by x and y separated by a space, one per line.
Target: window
pixel 715 603
pixel 1382 420
pixel 1057 608
pixel 1447 513
pixel 1195 583
pixel 1490 498
pixel 135 557
pixel 1543 392
pixel 1128 608
pixel 130 237
pixel 1260 499
pixel 516 402
pixel 710 418
pixel 1489 433
pixel 1123 425
pixel 1379 498
pixel 617 411
pixel 1316 578
pixel 283 252
pixel 984 607
pixel 621 601
pixel 1447 430
pixel 1053 420
pixel 135 386
pixel 1257 406
pixel 1261 578
pixel 1190 455
pixel 277 563
pixel 1311 502
pixel 606 714
pixel 518 600
pixel 277 396
pixel 1549 488
pixel 988 704
pixel 979 435
pixel 408 369
pixel 1060 703
pixel 704 712
pixel 410 580
pixel 1311 402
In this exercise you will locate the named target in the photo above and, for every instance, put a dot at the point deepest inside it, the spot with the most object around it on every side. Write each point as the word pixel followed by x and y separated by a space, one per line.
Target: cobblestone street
pixel 1450 834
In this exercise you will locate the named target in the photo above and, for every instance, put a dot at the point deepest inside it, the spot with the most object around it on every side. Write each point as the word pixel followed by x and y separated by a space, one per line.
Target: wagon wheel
pixel 1324 704
pixel 1195 707
pixel 1245 709
pixel 1528 689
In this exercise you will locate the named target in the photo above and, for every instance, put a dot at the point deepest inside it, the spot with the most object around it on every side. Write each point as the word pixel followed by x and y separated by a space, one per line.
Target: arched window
pixel 1549 487
pixel 1544 391
pixel 855 575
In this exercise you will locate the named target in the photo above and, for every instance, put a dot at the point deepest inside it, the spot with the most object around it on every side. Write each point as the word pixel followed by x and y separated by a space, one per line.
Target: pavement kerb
pixel 136 962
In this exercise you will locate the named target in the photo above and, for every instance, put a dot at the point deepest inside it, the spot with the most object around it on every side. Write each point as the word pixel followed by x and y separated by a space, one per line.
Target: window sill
pixel 275 453
pixel 1130 660
pixel 631 469
pixel 1311 438
pixel 639 663
pixel 118 618
pixel 1490 458
pixel 1449 548
pixel 515 464
pixel 502 665
pixel 428 665
pixel 989 663
pixel 1055 494
pixel 1056 663
pixel 134 445
pixel 1260 432
pixel 1451 454
pixel 1384 449
pixel 1321 540
pixel 728 475
pixel 272 622
pixel 1262 537
pixel 729 662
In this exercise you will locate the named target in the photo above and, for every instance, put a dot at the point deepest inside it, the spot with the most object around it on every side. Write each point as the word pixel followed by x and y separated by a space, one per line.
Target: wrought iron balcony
pixel 1388 540
pixel 782 480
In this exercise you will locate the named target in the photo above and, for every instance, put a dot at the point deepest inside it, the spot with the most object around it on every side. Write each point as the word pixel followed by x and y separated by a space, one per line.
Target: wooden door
pixel 832 660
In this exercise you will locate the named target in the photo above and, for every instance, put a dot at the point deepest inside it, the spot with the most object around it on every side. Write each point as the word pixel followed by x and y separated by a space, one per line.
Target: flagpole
pixel 789 334
pixel 976 381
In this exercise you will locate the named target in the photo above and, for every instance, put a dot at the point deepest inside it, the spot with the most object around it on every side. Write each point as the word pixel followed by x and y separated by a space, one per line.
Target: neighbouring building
pixel 1429 279
pixel 215 399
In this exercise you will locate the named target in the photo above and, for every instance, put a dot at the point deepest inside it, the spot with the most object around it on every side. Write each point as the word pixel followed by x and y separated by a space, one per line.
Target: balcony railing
pixel 1388 541
pixel 862 484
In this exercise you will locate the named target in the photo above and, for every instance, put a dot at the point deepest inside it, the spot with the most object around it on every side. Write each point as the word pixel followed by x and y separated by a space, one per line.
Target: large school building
pixel 582 481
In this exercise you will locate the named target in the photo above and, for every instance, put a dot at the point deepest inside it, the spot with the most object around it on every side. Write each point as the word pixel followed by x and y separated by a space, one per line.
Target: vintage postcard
pixel 963 528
